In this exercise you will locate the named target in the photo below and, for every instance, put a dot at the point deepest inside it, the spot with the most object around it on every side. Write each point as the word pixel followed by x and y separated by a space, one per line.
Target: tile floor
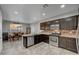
pixel 16 48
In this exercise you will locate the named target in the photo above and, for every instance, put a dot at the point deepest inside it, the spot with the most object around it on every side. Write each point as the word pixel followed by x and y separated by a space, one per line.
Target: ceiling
pixel 30 13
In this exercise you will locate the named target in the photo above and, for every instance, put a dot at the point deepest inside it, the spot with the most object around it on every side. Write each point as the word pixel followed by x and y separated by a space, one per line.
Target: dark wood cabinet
pixel 62 42
pixel 41 38
pixel 69 23
pixel 44 26
pixel 68 43
pixel 71 44
pixel 25 42
pixel 37 39
pixel 45 38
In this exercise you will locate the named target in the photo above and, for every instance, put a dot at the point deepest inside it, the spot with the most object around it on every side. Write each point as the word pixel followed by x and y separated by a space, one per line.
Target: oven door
pixel 53 40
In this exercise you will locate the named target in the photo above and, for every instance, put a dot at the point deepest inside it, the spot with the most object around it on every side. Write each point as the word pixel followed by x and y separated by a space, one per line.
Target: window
pixel 15 27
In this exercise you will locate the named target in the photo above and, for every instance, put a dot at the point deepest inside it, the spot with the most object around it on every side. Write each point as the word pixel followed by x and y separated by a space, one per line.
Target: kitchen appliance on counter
pixel 53 39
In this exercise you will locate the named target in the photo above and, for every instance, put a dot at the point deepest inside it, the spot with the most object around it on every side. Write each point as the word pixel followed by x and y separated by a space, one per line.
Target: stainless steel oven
pixel 53 40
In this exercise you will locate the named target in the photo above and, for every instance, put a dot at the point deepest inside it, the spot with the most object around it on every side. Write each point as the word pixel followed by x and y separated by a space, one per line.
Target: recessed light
pixel 45 5
pixel 43 14
pixel 62 6
pixel 15 12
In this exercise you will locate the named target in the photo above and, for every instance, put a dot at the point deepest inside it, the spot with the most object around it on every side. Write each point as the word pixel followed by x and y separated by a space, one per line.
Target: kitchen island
pixel 32 39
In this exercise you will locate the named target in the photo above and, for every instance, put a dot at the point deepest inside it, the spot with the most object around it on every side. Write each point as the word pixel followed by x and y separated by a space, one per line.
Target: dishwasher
pixel 30 41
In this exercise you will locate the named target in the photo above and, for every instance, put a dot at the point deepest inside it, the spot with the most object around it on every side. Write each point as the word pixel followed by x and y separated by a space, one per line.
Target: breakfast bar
pixel 32 39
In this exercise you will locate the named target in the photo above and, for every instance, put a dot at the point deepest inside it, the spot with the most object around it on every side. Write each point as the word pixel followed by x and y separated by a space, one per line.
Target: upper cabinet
pixel 44 26
pixel 69 23
pixel 47 25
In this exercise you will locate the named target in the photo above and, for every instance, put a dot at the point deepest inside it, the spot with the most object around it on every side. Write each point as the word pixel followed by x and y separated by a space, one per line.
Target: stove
pixel 53 39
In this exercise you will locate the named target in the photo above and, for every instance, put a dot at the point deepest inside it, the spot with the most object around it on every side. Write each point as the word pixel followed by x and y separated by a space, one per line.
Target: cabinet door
pixel 66 23
pixel 71 44
pixel 44 26
pixel 61 24
pixel 25 41
pixel 36 39
pixel 75 22
pixel 69 23
pixel 62 42
pixel 45 38
pixel 68 43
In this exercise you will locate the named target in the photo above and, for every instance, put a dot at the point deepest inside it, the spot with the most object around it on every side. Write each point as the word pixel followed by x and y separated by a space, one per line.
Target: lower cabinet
pixel 71 44
pixel 45 38
pixel 37 39
pixel 25 42
pixel 68 43
pixel 41 38
pixel 32 40
pixel 62 42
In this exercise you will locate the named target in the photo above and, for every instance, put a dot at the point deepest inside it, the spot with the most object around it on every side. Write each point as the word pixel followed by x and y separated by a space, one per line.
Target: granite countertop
pixel 49 33
pixel 62 35
pixel 28 35
pixel 36 34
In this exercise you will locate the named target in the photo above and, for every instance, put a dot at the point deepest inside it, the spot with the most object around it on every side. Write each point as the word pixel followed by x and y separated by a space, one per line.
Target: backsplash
pixel 60 31
pixel 68 31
